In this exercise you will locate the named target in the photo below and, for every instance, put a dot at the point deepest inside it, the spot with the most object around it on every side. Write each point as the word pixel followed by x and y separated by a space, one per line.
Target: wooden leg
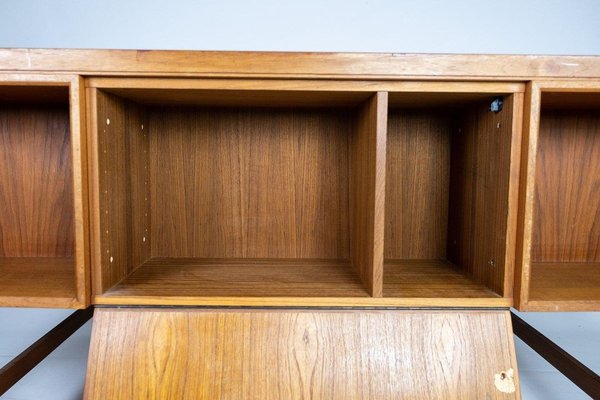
pixel 12 372
pixel 578 373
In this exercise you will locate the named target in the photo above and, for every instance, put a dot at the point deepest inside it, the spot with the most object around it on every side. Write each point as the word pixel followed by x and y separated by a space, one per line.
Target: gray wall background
pixel 467 26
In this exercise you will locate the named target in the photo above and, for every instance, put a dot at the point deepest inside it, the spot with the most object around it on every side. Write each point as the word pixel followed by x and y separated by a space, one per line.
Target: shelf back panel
pixel 250 183
pixel 566 224
pixel 417 184
pixel 36 185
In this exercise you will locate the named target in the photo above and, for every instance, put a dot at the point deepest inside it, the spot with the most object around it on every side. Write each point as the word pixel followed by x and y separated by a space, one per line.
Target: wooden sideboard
pixel 360 184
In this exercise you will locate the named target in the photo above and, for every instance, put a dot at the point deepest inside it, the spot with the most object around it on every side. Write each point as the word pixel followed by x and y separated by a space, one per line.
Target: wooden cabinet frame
pixel 78 154
pixel 320 72
pixel 531 132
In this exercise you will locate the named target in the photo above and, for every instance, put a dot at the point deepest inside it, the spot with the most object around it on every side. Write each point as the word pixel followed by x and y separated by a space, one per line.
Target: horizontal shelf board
pixel 429 278
pixel 565 281
pixel 166 277
pixel 561 305
pixel 265 283
pixel 192 301
pixel 38 281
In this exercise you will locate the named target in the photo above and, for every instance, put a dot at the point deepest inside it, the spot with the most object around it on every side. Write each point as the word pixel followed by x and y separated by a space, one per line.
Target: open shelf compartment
pixel 233 193
pixel 450 195
pixel 38 256
pixel 565 239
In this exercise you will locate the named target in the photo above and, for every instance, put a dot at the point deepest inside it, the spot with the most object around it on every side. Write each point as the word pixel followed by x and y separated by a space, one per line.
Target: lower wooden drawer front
pixel 301 354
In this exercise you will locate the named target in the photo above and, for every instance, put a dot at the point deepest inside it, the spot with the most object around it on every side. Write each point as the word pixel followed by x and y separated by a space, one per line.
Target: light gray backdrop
pixel 507 26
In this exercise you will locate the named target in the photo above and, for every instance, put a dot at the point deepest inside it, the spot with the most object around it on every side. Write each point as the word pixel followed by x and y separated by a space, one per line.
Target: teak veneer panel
pixel 37 282
pixel 36 183
pixel 565 281
pixel 368 192
pixel 566 225
pixel 123 176
pixel 307 65
pixel 430 278
pixel 251 183
pixel 480 179
pixel 270 354
pixel 177 277
pixel 417 184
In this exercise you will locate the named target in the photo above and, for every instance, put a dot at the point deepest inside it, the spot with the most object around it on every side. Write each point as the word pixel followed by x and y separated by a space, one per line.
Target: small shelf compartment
pixel 38 257
pixel 231 193
pixel 565 239
pixel 448 195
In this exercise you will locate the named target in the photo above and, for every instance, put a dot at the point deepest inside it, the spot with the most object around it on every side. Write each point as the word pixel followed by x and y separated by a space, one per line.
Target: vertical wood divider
pixel 78 116
pixel 531 114
pixel 367 197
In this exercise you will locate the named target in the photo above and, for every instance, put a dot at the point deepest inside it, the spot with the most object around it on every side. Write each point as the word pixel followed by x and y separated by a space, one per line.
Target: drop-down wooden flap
pixel 301 354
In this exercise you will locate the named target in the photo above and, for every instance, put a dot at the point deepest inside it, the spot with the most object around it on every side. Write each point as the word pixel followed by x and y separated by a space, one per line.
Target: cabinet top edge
pixel 298 64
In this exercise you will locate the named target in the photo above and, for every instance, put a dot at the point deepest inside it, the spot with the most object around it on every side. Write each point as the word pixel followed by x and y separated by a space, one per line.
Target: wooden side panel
pixel 156 354
pixel 566 224
pixel 124 201
pixel 36 182
pixel 250 183
pixel 417 184
pixel 368 192
pixel 479 193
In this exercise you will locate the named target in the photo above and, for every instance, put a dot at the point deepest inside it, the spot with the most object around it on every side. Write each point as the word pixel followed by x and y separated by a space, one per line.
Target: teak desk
pixel 311 225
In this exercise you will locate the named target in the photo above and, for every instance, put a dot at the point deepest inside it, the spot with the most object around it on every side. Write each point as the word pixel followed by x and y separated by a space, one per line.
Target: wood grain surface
pixel 180 277
pixel 286 64
pixel 36 184
pixel 37 282
pixel 367 192
pixel 479 193
pixel 430 278
pixel 566 224
pixel 262 354
pixel 565 281
pixel 417 184
pixel 258 183
pixel 123 188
